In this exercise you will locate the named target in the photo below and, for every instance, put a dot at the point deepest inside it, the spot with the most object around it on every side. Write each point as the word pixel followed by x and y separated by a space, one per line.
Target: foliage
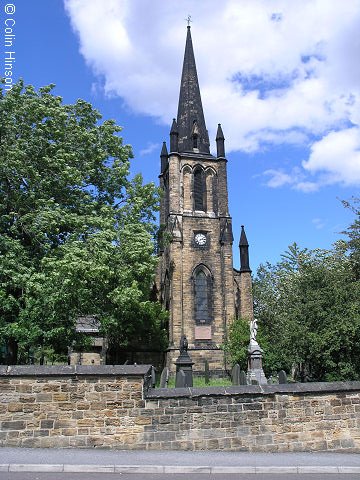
pixel 353 232
pixel 238 342
pixel 76 234
pixel 309 313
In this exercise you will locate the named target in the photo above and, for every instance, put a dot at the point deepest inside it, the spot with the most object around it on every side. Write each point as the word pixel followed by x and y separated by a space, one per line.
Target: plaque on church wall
pixel 203 333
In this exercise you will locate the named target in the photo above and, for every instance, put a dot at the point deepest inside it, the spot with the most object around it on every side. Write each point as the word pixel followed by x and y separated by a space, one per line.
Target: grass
pixel 200 382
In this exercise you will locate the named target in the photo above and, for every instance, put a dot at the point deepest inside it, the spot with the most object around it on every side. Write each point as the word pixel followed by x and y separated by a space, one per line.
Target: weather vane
pixel 188 19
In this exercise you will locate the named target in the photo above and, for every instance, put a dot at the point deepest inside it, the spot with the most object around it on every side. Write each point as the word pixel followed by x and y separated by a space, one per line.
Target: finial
pixel 188 19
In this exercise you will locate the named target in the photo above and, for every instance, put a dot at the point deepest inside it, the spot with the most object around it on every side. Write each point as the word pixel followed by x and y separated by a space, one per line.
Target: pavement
pixel 139 461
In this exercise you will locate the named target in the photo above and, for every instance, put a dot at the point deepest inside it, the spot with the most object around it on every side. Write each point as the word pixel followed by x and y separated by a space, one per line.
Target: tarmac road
pixel 77 456
pixel 96 464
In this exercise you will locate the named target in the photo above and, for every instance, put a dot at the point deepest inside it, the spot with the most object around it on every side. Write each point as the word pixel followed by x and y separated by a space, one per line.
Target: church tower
pixel 196 281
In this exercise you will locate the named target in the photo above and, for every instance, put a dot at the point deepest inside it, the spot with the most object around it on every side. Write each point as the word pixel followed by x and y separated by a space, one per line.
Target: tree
pixel 308 307
pixel 238 342
pixel 353 232
pixel 76 234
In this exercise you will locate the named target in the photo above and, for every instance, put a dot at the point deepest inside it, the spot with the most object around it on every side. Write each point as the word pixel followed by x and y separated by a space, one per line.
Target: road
pixel 96 464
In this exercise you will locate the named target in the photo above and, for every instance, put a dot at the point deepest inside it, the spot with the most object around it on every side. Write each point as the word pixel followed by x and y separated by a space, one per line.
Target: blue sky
pixel 282 77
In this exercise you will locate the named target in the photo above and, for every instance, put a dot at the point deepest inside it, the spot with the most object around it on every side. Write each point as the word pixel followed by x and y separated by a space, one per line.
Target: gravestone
pixel 180 381
pixel 235 374
pixel 282 376
pixel 164 378
pixel 207 373
pixel 184 363
pixel 153 377
pixel 242 378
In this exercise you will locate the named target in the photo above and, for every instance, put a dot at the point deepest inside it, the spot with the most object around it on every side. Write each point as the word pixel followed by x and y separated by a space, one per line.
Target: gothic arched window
pixel 199 190
pixel 187 193
pixel 203 296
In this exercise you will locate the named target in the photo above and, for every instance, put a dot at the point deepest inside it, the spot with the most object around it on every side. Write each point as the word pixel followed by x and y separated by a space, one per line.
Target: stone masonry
pixel 112 407
pixel 72 406
pixel 197 238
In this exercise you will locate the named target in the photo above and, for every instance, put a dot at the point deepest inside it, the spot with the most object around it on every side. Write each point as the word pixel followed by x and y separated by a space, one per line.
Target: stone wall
pixel 267 418
pixel 105 406
pixel 72 406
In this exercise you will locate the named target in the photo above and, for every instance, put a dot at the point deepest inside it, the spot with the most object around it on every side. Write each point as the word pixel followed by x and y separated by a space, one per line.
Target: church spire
pixel 244 252
pixel 193 136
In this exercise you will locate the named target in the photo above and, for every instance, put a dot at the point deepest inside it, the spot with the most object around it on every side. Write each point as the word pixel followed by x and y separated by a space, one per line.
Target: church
pixel 196 281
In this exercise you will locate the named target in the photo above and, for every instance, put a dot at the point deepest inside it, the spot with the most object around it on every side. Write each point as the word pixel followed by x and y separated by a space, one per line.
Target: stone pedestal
pixel 185 364
pixel 255 370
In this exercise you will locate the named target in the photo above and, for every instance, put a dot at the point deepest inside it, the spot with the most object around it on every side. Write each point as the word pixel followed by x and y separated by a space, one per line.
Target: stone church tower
pixel 196 280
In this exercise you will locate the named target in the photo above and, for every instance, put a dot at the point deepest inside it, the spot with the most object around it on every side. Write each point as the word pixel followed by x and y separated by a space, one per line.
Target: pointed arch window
pixel 203 296
pixel 199 190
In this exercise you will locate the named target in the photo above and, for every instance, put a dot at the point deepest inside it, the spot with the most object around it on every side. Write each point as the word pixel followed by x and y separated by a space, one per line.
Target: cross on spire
pixel 188 19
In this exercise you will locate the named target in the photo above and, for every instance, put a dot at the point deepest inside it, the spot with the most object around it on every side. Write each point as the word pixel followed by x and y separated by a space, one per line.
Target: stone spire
pixel 164 157
pixel 220 143
pixel 174 137
pixel 244 252
pixel 192 133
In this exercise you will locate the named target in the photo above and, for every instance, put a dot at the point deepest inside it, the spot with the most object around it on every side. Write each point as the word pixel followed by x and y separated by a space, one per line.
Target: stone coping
pixel 73 370
pixel 170 469
pixel 260 390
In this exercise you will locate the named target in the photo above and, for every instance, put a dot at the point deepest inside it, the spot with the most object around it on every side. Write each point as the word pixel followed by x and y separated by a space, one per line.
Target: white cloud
pixel 270 72
pixel 150 147
pixel 337 157
pixel 318 223
pixel 306 187
pixel 278 178
pixel 295 179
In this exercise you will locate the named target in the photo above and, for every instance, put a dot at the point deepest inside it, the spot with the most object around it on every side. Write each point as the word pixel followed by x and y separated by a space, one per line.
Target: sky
pixel 282 77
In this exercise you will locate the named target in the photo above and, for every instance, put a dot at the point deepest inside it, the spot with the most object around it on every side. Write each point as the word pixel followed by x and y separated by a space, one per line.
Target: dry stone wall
pixel 113 407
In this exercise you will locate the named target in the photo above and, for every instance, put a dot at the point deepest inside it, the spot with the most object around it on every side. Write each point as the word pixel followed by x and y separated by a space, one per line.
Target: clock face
pixel 200 239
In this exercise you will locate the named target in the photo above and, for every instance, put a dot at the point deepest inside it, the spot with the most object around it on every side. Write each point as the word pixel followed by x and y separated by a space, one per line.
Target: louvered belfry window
pixel 199 190
pixel 202 298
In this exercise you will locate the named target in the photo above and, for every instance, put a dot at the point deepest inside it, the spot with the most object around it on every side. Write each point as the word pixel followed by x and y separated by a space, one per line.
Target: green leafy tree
pixel 238 342
pixel 308 309
pixel 76 234
pixel 353 232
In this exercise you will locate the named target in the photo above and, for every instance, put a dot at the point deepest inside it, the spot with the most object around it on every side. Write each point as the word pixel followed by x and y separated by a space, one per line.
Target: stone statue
pixel 255 373
pixel 183 344
pixel 253 330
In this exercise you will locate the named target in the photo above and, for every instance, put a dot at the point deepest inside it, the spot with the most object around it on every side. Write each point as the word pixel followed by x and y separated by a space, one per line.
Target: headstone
pixel 153 377
pixel 164 378
pixel 282 376
pixel 180 380
pixel 207 373
pixel 243 380
pixel 235 374
pixel 184 363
